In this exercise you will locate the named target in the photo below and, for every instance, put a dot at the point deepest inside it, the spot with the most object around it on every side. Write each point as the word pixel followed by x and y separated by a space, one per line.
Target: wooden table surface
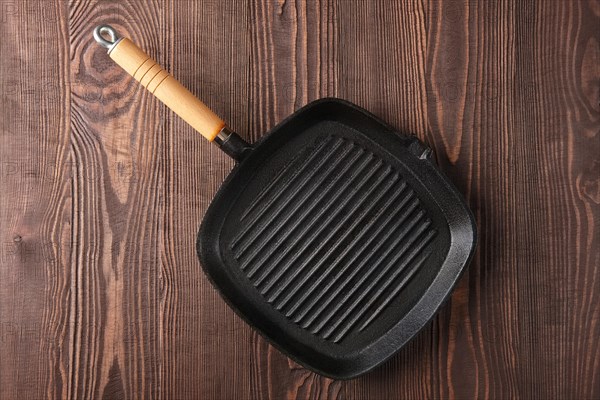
pixel 102 190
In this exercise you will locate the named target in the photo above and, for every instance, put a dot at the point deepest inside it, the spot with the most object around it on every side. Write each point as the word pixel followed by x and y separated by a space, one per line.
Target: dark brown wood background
pixel 102 190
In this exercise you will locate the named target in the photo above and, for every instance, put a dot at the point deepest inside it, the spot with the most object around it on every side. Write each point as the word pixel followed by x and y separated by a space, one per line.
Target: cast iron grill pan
pixel 331 235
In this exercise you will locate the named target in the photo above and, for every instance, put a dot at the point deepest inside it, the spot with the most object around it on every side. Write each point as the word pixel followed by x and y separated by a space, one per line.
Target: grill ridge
pixel 372 170
pixel 397 289
pixel 328 220
pixel 364 245
pixel 357 316
pixel 278 177
pixel 363 278
pixel 365 261
pixel 326 241
pixel 357 238
pixel 294 205
pixel 334 239
pixel 304 213
pixel 334 284
pixel 329 150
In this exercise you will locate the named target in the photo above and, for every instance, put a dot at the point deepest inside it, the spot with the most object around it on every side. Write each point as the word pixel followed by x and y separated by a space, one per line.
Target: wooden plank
pixel 118 148
pixel 157 177
pixel 207 342
pixel 35 200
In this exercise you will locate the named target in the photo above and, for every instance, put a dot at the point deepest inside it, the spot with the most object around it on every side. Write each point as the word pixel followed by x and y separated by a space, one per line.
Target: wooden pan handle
pixel 160 83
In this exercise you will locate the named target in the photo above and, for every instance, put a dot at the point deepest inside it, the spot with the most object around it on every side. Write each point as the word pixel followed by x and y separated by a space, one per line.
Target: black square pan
pixel 336 238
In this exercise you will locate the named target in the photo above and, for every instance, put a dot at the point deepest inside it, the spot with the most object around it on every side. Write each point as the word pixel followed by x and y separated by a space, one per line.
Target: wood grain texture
pixel 103 189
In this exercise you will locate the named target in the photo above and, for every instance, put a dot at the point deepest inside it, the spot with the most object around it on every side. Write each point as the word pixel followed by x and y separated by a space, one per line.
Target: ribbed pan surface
pixel 334 239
